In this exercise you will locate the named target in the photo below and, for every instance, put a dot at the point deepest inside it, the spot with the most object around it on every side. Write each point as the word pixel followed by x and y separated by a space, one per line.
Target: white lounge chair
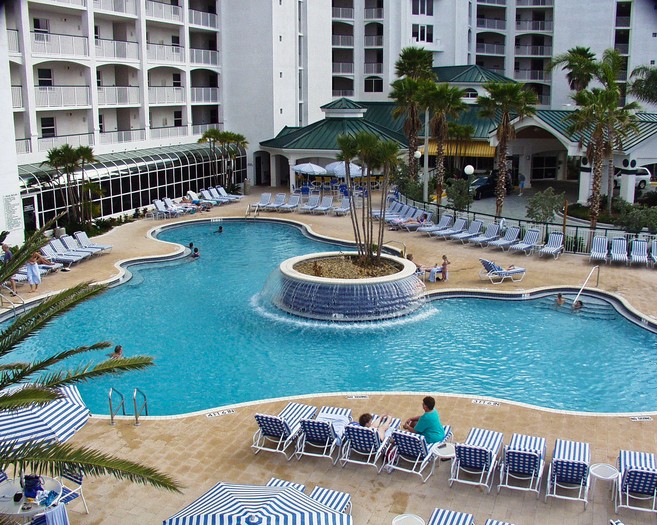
pixel 209 197
pixel 405 212
pixel 172 206
pixel 278 201
pixel 637 481
pixel 226 195
pixel 278 433
pixel 84 241
pixel 491 233
pixel 59 248
pixel 197 199
pixel 313 202
pixel 413 454
pixel 423 220
pixel 528 244
pixel 364 446
pixel 72 245
pixel 275 482
pixel 473 230
pixel 497 275
pixel 523 461
pixel 322 436
pixel 325 206
pixel 291 205
pixel 599 249
pixel 450 517
pixel 333 499
pixel 393 208
pixel 459 226
pixel 639 252
pixel 344 208
pixel 214 193
pixel 619 250
pixel 265 199
pixel 652 256
pixel 569 470
pixel 476 456
pixel 444 223
pixel 49 253
pixel 162 212
pixel 510 238
pixel 554 246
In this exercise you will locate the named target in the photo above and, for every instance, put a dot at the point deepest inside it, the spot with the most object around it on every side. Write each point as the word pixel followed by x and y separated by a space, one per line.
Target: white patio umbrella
pixel 56 421
pixel 338 169
pixel 309 168
pixel 232 504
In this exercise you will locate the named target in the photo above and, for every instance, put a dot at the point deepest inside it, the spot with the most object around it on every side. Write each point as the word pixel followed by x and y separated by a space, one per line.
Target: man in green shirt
pixel 428 424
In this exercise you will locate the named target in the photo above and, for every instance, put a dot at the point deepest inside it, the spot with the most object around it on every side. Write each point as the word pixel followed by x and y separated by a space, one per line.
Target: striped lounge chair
pixel 278 433
pixel 492 232
pixel 473 230
pixel 528 244
pixel 322 436
pixel 363 445
pixel 413 454
pixel 450 517
pixel 495 522
pixel 444 223
pixel 554 245
pixel 599 249
pixel 333 499
pixel 639 252
pixel 637 482
pixel 496 274
pixel 476 456
pixel 569 470
pixel 459 226
pixel 523 460
pixel 619 250
pixel 510 238
pixel 276 482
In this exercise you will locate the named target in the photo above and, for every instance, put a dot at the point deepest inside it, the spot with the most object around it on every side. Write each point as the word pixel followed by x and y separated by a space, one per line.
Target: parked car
pixel 643 177
pixel 484 186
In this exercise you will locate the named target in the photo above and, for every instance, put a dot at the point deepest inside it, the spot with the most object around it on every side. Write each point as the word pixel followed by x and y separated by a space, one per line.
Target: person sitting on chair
pixel 381 425
pixel 428 424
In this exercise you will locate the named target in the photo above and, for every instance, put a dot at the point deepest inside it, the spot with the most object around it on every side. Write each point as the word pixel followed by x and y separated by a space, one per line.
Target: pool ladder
pixel 139 401
pixel 597 282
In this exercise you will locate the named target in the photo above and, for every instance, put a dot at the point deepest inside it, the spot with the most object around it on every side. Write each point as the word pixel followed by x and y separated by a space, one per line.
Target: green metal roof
pixel 381 113
pixel 468 75
pixel 342 103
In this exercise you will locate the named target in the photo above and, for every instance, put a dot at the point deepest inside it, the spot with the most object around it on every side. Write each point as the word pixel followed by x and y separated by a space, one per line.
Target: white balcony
pixel 201 18
pixel 165 53
pixel 23 146
pixel 205 95
pixel 534 25
pixel 373 40
pixel 49 44
pixel 534 50
pixel 490 49
pixel 81 139
pixel 61 96
pixel 199 129
pixel 492 2
pixel 169 132
pixel 118 95
pixel 12 38
pixel 204 56
pixel 372 68
pixel 162 11
pixel 491 23
pixel 343 92
pixel 531 74
pixel 128 7
pixel 534 3
pixel 76 3
pixel 118 137
pixel 16 97
pixel 343 67
pixel 344 13
pixel 373 14
pixel 117 49
pixel 343 41
pixel 166 95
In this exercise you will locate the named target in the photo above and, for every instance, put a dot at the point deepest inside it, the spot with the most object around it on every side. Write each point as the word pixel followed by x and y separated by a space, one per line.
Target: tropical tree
pixel 406 95
pixel 644 84
pixel 459 135
pixel 579 62
pixel 348 150
pixel 505 101
pixel 389 159
pixel 445 103
pixel 212 136
pixel 66 158
pixel 416 63
pixel 85 156
pixel 39 381
pixel 236 142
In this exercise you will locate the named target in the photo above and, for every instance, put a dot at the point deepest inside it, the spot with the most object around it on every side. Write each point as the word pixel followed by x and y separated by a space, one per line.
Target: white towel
pixel 57 516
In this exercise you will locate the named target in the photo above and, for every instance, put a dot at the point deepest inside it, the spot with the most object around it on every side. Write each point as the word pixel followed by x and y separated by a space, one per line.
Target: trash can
pixel 59 232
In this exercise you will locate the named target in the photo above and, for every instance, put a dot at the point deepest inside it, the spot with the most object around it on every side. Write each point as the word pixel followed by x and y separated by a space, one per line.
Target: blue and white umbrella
pixel 56 421
pixel 309 169
pixel 230 504
pixel 338 169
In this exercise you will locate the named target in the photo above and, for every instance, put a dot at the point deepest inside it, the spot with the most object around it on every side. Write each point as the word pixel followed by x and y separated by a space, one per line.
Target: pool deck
pixel 202 450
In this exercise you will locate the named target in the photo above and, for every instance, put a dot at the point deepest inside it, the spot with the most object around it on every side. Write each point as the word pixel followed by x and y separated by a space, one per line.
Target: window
pixel 175 43
pixel 44 77
pixel 101 126
pixel 373 85
pixel 177 81
pixel 422 7
pixel 470 93
pixel 177 119
pixel 422 33
pixel 41 29
pixel 99 78
pixel 97 33
pixel 48 127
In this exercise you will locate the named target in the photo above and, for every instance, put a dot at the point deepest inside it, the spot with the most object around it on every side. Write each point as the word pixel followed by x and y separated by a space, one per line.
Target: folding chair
pixel 278 433
pixel 477 456
pixel 638 481
pixel 523 460
pixel 569 470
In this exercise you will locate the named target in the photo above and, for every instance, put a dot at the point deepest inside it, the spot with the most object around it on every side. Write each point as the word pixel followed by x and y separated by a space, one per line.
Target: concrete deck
pixel 199 451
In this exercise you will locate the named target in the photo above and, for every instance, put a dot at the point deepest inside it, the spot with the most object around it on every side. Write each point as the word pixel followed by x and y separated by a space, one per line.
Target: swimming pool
pixel 215 343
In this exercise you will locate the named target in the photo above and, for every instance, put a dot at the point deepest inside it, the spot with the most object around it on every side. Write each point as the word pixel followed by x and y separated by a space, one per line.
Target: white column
pixel 628 184
pixel 585 182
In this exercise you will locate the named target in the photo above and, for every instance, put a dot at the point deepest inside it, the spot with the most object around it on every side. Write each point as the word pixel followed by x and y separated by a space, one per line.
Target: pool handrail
pixel 597 282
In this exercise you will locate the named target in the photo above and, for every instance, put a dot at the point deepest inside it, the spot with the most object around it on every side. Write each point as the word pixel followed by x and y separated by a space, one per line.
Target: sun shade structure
pixel 54 422
pixel 308 168
pixel 339 169
pixel 232 504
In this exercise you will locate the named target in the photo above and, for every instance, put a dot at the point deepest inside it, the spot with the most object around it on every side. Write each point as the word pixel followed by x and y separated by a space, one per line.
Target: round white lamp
pixel 417 154
pixel 468 170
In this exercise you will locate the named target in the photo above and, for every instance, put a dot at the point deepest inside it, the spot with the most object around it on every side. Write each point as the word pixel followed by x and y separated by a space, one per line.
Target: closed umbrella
pixel 56 421
pixel 309 169
pixel 338 169
pixel 231 504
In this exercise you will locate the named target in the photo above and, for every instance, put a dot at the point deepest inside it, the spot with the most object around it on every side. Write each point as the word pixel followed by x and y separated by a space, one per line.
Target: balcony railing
pixel 51 44
pixel 373 68
pixel 81 139
pixel 164 11
pixel 622 21
pixel 168 132
pixel 129 7
pixel 345 13
pixel 343 92
pixel 201 18
pixel 492 2
pixel 534 25
pixel 343 67
pixel 490 49
pixel 23 146
pixel 116 49
pixel 531 74
pixel 12 38
pixel 117 137
pixel 373 14
pixel 16 96
pixel 373 40
pixel 207 95
pixel 78 3
pixel 61 96
pixel 491 23
pixel 199 129
pixel 343 40
pixel 166 95
pixel 118 95
pixel 534 3
pixel 165 53
pixel 204 56
pixel 623 49
pixel 534 50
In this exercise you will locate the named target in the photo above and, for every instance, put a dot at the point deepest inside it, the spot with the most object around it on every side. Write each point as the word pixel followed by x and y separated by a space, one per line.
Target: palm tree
pixel 644 84
pixel 460 135
pixel 40 380
pixel 388 153
pixel 368 154
pixel 405 93
pixel 445 103
pixel 211 136
pixel 505 101
pixel 579 62
pixel 348 150
pixel 415 63
pixel 85 155
pixel 66 157
pixel 236 142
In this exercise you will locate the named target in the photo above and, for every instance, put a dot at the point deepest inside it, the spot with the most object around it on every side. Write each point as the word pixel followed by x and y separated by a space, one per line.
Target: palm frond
pixel 91 371
pixel 27 395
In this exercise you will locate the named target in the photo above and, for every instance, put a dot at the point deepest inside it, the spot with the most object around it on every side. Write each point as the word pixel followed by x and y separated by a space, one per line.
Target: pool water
pixel 215 343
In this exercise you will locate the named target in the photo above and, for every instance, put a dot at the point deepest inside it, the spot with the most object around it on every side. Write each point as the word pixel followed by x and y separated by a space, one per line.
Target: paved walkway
pixel 200 450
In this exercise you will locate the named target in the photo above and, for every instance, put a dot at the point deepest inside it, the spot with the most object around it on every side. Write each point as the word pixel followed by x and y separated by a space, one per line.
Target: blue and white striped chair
pixel 523 460
pixel 528 244
pixel 333 499
pixel 322 436
pixel 413 454
pixel 492 232
pixel 278 433
pixel 495 522
pixel 510 238
pixel 444 223
pixel 569 470
pixel 72 493
pixel 276 482
pixel 450 517
pixel 3 476
pixel 363 445
pixel 459 226
pixel 619 250
pixel 599 249
pixel 554 245
pixel 496 274
pixel 473 230
pixel 265 200
pixel 477 456
pixel 638 481
pixel 639 252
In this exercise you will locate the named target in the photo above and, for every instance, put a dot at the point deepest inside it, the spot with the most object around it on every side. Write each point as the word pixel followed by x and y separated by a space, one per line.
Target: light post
pixel 468 170
pixel 425 173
